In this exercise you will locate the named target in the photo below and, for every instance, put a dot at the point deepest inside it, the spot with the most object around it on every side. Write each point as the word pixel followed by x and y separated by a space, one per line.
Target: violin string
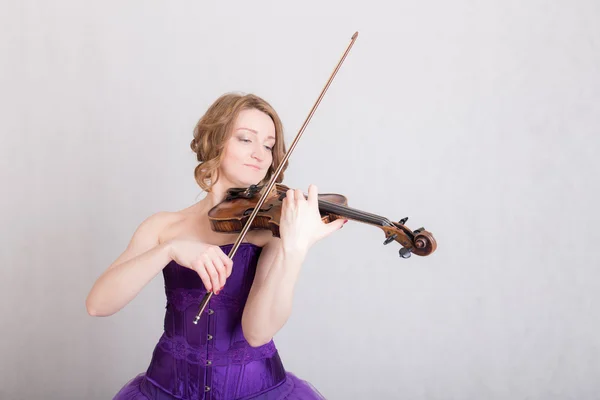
pixel 354 213
pixel 346 208
pixel 383 220
pixel 351 212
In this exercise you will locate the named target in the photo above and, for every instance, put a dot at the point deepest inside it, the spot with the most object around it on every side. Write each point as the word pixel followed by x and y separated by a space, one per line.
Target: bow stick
pixel 266 192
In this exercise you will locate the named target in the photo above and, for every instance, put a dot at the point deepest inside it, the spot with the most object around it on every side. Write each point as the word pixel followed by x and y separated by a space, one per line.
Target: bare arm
pixel 269 303
pixel 143 259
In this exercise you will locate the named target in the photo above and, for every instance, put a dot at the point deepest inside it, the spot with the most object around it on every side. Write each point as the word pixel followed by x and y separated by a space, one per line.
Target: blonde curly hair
pixel 214 129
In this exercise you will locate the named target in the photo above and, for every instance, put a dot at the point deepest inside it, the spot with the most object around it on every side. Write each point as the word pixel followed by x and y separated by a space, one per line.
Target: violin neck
pixel 352 213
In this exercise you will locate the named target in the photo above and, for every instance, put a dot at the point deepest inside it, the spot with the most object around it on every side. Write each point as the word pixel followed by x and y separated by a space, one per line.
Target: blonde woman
pixel 230 353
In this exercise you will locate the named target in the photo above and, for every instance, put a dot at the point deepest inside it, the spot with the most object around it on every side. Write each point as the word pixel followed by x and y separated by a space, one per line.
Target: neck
pixel 218 193
pixel 213 198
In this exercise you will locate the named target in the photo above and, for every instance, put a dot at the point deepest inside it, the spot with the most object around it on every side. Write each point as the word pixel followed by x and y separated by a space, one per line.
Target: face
pixel 248 152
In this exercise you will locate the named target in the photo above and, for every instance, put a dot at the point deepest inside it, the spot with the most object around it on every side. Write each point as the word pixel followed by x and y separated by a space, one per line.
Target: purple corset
pixel 211 360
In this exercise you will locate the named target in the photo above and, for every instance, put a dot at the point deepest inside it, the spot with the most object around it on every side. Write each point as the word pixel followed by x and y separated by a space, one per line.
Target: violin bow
pixel 266 192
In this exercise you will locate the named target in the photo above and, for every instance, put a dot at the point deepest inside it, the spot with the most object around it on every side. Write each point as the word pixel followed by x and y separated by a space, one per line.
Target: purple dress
pixel 212 360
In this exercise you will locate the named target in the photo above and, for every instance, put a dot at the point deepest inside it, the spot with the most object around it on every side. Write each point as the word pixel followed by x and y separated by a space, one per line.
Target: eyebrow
pixel 255 132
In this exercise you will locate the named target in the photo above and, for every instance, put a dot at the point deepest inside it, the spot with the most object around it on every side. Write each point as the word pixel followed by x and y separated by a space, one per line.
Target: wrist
pixel 294 252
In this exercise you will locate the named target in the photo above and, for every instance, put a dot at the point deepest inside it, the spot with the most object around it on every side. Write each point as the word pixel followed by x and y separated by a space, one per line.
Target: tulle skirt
pixel 292 388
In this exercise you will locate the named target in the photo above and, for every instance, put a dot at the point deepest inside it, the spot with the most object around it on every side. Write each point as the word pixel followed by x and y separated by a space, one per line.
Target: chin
pixel 252 180
pixel 246 179
pixel 248 182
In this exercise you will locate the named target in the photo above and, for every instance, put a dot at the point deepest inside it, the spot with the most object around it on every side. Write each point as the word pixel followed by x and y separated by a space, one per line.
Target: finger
pixel 228 267
pixel 290 196
pixel 313 194
pixel 212 272
pixel 333 226
pixel 227 262
pixel 286 210
pixel 198 266
pixel 220 267
pixel 299 196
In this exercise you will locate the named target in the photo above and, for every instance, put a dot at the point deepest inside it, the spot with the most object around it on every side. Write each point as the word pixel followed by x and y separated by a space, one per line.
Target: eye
pixel 269 148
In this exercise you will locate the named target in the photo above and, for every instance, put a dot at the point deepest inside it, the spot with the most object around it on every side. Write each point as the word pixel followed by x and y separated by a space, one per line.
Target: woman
pixel 230 353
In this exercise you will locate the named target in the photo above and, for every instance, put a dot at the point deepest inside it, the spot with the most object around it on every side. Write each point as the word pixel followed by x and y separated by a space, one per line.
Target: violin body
pixel 232 214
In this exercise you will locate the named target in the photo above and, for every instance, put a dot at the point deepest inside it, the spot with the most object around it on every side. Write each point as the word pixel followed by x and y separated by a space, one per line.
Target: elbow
pixel 254 339
pixel 93 310
pixel 257 341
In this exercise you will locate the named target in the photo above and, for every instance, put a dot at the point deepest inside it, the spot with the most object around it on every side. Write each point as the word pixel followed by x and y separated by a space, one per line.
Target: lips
pixel 253 166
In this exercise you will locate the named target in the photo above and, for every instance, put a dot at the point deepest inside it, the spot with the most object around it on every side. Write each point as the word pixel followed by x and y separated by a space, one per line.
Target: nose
pixel 259 154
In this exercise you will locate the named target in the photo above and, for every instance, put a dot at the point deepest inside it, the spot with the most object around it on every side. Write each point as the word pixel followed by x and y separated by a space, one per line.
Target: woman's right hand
pixel 209 261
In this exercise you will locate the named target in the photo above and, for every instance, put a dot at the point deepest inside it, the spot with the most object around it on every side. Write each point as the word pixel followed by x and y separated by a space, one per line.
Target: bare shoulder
pixel 156 223
pixel 147 235
pixel 151 228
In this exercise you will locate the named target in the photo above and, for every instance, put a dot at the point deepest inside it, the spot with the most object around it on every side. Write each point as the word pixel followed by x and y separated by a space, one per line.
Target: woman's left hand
pixel 300 224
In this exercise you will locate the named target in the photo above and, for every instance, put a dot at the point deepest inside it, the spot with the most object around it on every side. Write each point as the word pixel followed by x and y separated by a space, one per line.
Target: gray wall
pixel 478 120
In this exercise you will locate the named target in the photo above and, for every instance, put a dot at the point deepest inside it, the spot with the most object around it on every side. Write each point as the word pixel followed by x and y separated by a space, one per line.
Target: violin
pixel 232 214
pixel 259 207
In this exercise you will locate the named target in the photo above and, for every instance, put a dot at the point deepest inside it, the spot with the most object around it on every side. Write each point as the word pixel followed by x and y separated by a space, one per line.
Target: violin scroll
pixel 420 241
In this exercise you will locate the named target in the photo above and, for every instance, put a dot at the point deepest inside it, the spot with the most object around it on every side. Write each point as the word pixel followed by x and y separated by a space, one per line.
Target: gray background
pixel 478 120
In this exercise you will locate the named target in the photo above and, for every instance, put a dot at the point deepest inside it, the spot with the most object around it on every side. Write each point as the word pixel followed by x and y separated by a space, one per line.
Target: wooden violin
pixel 232 214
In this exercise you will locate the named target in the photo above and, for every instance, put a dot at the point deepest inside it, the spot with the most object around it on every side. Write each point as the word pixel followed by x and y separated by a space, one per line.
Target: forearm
pixel 118 285
pixel 269 305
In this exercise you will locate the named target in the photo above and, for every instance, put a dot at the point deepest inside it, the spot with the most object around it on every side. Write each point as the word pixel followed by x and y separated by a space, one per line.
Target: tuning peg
pixel 416 231
pixel 389 239
pixel 405 253
pixel 403 221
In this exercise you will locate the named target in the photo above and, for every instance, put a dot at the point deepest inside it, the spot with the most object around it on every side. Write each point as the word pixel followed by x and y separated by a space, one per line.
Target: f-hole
pixel 249 211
